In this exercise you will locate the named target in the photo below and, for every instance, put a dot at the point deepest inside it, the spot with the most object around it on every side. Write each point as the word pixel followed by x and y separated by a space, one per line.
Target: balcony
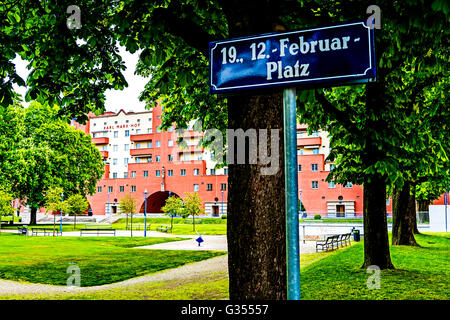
pixel 141 137
pixel 313 141
pixel 192 134
pixel 141 152
pixel 191 149
pixel 104 154
pixel 100 140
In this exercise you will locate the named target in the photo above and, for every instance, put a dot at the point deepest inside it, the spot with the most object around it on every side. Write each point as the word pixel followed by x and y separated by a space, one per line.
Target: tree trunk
pixel 33 216
pixel 75 221
pixel 403 216
pixel 423 205
pixel 256 221
pixel 376 241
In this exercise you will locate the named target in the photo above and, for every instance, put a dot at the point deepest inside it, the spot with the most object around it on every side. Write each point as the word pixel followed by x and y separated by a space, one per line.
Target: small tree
pixel 193 205
pixel 128 205
pixel 6 208
pixel 174 205
pixel 54 202
pixel 76 204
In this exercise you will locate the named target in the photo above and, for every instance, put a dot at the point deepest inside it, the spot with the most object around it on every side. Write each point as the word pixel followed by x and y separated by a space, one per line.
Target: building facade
pixel 142 160
pixel 145 162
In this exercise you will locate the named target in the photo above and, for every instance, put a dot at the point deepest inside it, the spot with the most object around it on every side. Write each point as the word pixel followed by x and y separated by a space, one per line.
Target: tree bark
pixel 403 216
pixel 423 205
pixel 33 216
pixel 376 241
pixel 256 221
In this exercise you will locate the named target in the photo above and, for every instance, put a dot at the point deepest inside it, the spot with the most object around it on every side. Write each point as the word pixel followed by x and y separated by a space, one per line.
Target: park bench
pixel 329 242
pixel 164 228
pixel 97 226
pixel 22 230
pixel 45 231
pixel 98 231
pixel 345 239
pixel 139 226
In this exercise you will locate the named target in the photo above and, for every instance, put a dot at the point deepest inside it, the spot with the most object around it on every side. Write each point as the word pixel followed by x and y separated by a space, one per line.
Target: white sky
pixel 127 99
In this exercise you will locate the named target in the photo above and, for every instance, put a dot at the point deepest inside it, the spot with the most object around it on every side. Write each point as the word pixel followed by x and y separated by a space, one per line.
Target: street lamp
pixel 222 204
pixel 60 219
pixel 145 213
pixel 300 200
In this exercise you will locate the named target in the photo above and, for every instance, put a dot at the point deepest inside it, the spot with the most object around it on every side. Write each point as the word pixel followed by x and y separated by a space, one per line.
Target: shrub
pixel 317 217
pixel 224 216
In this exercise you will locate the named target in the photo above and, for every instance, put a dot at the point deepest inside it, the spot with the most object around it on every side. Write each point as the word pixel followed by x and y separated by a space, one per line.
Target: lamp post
pixel 222 204
pixel 60 219
pixel 145 213
pixel 107 204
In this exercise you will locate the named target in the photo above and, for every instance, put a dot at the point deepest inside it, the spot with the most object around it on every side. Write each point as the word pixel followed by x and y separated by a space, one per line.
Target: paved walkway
pixel 192 271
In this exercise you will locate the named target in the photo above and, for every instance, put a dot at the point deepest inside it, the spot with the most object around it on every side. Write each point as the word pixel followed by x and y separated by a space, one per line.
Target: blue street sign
pixel 326 55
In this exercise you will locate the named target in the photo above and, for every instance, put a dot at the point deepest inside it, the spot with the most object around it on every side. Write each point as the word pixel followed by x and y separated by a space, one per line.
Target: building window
pixel 225 171
pixel 315 184
pixel 331 185
pixel 332 167
pixel 125 175
pixel 138 145
pixel 114 175
pixel 223 187
pixel 133 188
pixel 170 143
pixel 115 147
pixel 158 158
pixel 149 145
pixel 127 133
pixel 116 134
pixel 121 188
pixel 315 134
pixel 158 173
pixel 138 160
pixel 200 157
pixel 316 151
pixel 105 148
pixel 99 189
pixel 170 129
pixel 170 158
pixel 145 174
pixel 196 172
pixel 299 152
pixel 115 162
pixel 196 187
pixel 213 172
pixel 110 189
pixel 125 161
pixel 158 129
pixel 126 147
pixel 182 172
pixel 299 167
pixel 299 134
pixel 149 130
pixel 158 144
pixel 133 174
pixel 209 187
pixel 348 185
pixel 138 131
pixel 170 173
pixel 314 167
pixel 186 157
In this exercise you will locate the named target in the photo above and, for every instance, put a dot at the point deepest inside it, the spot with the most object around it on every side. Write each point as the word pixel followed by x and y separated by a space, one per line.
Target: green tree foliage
pixel 193 205
pixel 41 152
pixel 6 199
pixel 127 205
pixel 76 204
pixel 174 206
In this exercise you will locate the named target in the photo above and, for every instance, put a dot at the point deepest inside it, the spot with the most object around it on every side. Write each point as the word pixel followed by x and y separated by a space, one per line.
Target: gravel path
pixel 187 272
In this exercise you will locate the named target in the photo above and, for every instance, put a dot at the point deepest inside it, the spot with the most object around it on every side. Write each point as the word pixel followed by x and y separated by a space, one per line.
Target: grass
pixel 420 274
pixel 102 260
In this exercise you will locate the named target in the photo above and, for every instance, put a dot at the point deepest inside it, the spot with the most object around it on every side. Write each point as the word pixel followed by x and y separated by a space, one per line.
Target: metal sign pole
pixel 291 196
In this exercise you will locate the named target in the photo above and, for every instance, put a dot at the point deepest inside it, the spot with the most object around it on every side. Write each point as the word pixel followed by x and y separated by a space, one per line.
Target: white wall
pixel 437 218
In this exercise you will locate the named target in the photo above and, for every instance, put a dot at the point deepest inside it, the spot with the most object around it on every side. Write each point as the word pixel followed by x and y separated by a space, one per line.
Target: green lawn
pixel 421 273
pixel 101 260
